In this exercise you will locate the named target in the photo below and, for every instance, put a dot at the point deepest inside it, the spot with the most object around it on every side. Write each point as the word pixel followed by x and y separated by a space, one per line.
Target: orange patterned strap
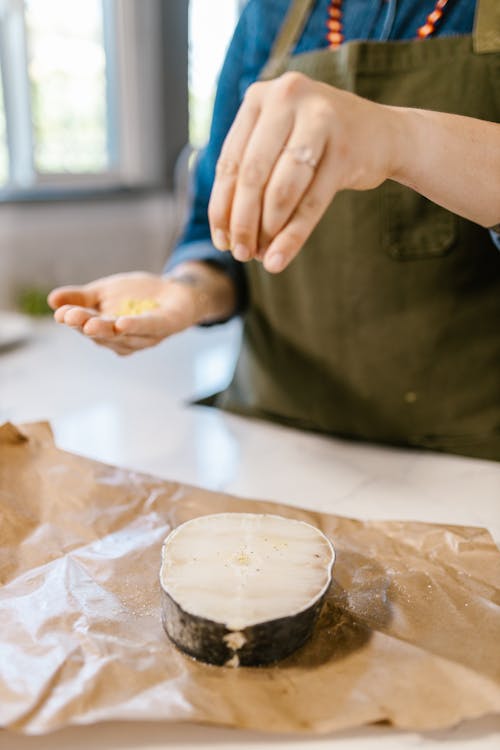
pixel 335 34
pixel 432 19
pixel 334 24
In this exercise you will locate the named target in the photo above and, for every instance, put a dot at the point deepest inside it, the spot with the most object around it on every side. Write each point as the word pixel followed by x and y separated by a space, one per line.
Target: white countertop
pixel 135 412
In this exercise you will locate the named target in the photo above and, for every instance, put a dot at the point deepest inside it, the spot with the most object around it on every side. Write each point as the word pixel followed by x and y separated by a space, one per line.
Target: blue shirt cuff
pixel 203 251
pixel 495 236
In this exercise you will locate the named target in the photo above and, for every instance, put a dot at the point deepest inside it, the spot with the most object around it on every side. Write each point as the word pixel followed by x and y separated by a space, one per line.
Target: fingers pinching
pixel 268 163
pixel 263 149
pixel 226 174
pixel 289 241
pixel 293 173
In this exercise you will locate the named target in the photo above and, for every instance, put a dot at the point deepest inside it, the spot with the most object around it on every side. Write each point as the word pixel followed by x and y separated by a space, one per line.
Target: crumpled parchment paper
pixel 409 633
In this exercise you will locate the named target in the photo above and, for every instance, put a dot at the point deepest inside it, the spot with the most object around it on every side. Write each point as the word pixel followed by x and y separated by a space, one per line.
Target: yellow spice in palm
pixel 137 306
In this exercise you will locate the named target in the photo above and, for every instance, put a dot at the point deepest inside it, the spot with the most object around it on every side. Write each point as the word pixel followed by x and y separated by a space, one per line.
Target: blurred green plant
pixel 33 301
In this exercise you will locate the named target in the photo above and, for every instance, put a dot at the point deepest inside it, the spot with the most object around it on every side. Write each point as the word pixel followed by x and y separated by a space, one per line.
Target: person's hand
pixel 295 142
pixel 192 294
pixel 94 310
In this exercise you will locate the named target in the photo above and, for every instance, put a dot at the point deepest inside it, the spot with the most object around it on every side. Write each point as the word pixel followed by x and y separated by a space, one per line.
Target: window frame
pixel 143 141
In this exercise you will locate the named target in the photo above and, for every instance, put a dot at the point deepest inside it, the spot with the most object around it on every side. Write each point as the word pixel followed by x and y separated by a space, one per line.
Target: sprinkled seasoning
pixel 136 306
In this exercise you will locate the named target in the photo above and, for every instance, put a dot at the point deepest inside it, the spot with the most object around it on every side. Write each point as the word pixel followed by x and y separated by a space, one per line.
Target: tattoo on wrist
pixel 215 292
pixel 186 277
pixel 195 281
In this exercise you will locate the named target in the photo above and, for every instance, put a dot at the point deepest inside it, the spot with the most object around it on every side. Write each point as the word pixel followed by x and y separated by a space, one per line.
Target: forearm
pixel 216 299
pixel 452 160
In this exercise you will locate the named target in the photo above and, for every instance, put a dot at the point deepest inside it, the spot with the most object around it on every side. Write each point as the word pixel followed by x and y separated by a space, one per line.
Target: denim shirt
pixel 249 51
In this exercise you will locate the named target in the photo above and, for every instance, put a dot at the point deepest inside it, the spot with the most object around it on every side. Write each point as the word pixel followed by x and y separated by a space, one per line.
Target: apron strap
pixel 486 34
pixel 288 36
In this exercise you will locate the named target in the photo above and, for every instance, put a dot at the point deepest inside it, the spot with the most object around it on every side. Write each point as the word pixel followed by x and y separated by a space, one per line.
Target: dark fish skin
pixel 265 643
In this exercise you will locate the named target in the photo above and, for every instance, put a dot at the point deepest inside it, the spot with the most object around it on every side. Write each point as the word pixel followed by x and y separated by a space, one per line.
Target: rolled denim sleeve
pixel 204 251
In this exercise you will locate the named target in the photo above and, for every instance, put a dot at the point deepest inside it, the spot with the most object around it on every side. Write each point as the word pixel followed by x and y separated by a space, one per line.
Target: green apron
pixel 386 327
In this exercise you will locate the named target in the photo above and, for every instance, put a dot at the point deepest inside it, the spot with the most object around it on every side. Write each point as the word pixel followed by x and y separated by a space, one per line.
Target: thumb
pixel 84 296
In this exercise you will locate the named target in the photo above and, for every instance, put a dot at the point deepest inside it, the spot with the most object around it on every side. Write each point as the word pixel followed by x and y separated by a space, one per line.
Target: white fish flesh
pixel 243 588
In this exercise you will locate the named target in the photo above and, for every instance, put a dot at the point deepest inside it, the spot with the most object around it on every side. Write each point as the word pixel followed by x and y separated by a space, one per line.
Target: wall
pixel 48 244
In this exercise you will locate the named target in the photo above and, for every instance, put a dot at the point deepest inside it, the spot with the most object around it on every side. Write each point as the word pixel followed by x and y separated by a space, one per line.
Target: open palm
pixel 94 309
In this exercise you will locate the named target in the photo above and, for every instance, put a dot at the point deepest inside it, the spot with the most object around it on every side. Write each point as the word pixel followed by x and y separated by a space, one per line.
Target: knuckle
pixel 241 232
pixel 226 167
pixel 72 317
pixel 217 216
pixel 343 149
pixel 282 195
pixel 88 329
pixel 321 115
pixel 254 92
pixel 290 83
pixel 253 173
pixel 296 237
pixel 311 204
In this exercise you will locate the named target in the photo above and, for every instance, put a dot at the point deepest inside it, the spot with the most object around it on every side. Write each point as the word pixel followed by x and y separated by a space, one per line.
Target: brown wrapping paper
pixel 409 633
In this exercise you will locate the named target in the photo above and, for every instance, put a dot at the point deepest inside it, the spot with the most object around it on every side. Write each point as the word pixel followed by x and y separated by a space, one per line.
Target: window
pixel 211 26
pixel 88 88
pixel 67 68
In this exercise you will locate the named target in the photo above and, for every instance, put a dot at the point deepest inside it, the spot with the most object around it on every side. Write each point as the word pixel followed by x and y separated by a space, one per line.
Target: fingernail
pixel 274 263
pixel 241 252
pixel 221 240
